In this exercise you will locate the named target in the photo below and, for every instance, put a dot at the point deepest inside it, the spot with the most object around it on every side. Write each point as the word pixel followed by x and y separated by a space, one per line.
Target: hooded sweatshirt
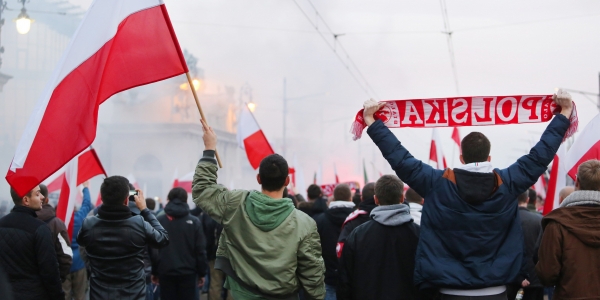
pixel 569 254
pixel 329 224
pixel 186 252
pixel 355 219
pixel 378 260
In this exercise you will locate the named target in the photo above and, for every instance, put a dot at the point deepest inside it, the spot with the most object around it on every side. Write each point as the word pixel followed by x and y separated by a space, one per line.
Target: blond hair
pixel 588 175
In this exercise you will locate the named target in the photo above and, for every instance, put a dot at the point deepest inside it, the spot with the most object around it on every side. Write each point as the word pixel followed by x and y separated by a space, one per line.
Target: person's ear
pixel 25 201
pixel 376 200
pixel 258 179
pixel 462 160
pixel 287 181
pixel 576 184
pixel 489 158
pixel 401 199
pixel 126 202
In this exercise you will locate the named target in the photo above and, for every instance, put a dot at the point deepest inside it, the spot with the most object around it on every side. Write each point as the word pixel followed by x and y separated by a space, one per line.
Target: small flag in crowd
pixel 435 151
pixel 252 139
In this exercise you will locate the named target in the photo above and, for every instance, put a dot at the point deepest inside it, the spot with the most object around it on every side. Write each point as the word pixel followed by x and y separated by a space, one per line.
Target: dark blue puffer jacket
pixel 471 234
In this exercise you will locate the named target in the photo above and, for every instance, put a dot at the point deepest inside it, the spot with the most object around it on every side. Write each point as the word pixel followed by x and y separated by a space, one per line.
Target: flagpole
pixel 189 78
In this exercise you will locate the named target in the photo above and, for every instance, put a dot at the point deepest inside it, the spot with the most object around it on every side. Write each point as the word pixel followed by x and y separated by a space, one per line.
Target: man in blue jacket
pixel 76 283
pixel 471 242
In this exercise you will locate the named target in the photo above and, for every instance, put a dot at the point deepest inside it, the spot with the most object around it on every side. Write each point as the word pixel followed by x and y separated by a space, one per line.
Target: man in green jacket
pixel 268 249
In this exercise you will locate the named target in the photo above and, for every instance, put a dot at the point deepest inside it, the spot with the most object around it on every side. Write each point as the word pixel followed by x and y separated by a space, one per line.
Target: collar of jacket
pixel 478 167
pixel 391 215
pixel 46 213
pixel 114 212
pixel 341 203
pixel 582 198
pixel 24 210
pixel 367 204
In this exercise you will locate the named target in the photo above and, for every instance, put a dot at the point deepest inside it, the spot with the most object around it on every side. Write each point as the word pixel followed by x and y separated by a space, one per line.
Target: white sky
pixel 555 44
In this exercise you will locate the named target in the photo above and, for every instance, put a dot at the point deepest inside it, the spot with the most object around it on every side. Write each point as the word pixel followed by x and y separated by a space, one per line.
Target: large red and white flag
pixel 80 169
pixel 585 147
pixel 119 45
pixel 557 181
pixel 252 139
pixel 435 151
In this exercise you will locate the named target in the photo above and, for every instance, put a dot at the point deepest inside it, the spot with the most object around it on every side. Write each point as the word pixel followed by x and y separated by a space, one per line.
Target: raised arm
pixel 213 198
pixel 418 175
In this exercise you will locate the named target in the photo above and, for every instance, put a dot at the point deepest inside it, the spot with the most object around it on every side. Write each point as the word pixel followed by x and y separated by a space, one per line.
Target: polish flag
pixel 540 187
pixel 558 180
pixel 119 45
pixel 80 169
pixel 252 139
pixel 585 147
pixel 185 182
pixel 435 152
pixel 456 137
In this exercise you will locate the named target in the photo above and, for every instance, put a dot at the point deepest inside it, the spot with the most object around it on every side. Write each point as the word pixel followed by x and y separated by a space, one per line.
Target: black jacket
pixel 28 256
pixel 378 261
pixel 532 232
pixel 186 252
pixel 212 232
pixel 62 242
pixel 329 226
pixel 115 242
pixel 355 219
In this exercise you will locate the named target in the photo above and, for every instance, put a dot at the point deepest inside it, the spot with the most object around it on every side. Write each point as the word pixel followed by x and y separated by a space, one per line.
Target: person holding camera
pixel 115 241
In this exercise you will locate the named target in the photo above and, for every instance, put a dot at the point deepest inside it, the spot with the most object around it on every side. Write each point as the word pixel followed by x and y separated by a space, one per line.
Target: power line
pixel 333 48
pixel 448 33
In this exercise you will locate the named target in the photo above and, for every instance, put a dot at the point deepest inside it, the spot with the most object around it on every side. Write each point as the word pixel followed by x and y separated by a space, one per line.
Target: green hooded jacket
pixel 271 246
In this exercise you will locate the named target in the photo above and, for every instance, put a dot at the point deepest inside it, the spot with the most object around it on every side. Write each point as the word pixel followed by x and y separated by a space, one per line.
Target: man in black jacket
pixel 357 217
pixel 531 222
pixel 181 265
pixel 378 260
pixel 62 242
pixel 27 247
pixel 329 226
pixel 115 240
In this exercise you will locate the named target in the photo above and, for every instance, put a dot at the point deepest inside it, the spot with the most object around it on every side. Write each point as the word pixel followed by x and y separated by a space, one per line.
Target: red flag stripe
pixel 257 147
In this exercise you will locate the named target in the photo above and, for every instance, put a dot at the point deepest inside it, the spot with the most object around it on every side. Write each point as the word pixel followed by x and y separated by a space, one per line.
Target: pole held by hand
pixel 189 78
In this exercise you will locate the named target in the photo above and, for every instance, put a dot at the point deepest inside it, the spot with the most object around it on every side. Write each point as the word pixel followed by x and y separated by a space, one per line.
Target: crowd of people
pixel 455 234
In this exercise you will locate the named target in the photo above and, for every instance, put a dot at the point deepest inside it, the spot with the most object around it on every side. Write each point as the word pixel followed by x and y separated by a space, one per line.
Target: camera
pixel 132 195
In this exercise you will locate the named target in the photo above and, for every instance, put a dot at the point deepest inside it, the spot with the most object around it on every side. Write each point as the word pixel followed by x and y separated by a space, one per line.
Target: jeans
pixel 76 284
pixel 330 292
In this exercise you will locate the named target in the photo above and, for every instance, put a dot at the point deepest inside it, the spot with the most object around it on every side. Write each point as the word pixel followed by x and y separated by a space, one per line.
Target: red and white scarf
pixel 466 111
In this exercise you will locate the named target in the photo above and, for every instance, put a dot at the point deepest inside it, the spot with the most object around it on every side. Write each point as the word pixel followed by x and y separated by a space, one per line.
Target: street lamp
pixel 251 106
pixel 196 82
pixel 23 20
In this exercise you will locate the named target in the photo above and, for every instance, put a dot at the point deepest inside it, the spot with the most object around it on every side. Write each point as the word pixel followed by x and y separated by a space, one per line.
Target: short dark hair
pixel 177 193
pixel 44 190
pixel 150 203
pixel 114 190
pixel 532 195
pixel 314 191
pixel 524 197
pixel 342 192
pixel 273 171
pixel 368 191
pixel 413 197
pixel 18 200
pixel 475 147
pixel 389 190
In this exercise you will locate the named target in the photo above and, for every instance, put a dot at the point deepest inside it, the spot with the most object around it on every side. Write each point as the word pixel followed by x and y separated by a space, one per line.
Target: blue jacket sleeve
pixel 418 175
pixel 86 205
pixel 526 170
